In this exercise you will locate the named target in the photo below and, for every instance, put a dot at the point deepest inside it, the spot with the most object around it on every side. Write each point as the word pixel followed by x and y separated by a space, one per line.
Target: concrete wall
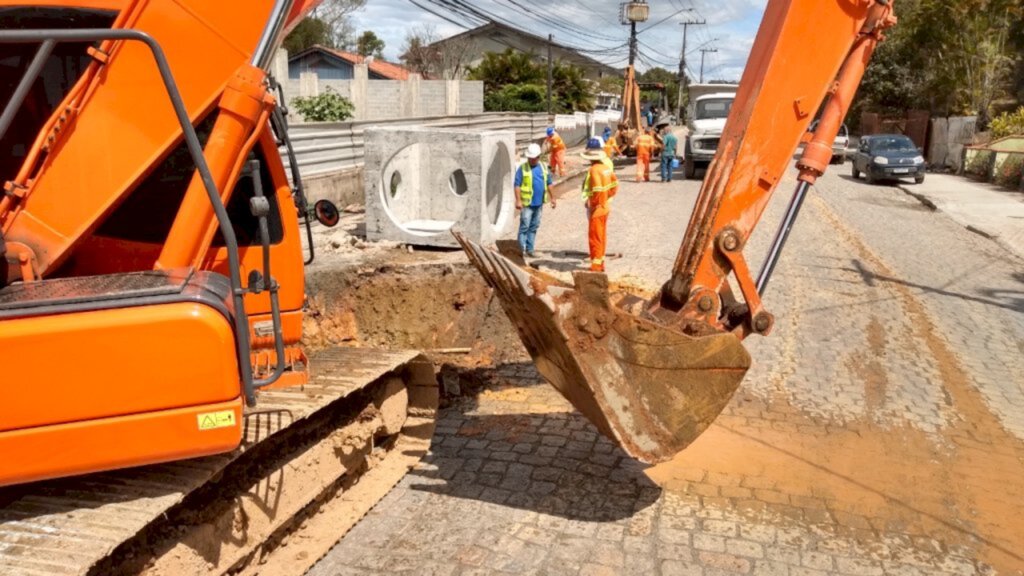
pixel 386 99
pixel 947 138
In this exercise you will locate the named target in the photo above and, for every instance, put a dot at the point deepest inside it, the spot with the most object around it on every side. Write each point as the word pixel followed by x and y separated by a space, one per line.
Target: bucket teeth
pixel 648 387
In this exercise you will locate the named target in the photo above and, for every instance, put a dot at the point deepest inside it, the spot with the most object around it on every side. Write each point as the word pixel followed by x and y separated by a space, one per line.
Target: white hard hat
pixel 533 151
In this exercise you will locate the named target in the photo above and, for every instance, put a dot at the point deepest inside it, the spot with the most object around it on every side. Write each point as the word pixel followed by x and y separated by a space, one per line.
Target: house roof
pixel 574 56
pixel 386 70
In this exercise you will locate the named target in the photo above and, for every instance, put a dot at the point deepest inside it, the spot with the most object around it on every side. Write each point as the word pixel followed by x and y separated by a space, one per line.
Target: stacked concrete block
pixel 421 183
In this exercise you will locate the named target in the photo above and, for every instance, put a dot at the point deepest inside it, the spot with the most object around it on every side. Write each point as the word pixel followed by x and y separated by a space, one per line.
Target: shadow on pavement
pixel 531 452
pixel 1008 299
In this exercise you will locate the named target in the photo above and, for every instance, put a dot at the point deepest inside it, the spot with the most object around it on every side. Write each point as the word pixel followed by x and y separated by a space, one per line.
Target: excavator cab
pixel 653 374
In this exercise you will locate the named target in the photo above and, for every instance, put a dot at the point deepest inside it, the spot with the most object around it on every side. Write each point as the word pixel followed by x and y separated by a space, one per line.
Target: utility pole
pixel 704 51
pixel 551 39
pixel 683 83
pixel 631 13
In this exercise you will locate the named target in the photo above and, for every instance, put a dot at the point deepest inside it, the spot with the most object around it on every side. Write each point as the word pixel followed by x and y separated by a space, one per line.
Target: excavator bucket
pixel 648 387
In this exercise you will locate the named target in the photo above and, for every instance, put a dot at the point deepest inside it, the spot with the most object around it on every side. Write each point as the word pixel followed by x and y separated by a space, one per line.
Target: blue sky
pixel 731 27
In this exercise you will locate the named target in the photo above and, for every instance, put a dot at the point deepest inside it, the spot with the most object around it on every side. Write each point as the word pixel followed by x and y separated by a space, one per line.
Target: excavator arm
pixel 653 375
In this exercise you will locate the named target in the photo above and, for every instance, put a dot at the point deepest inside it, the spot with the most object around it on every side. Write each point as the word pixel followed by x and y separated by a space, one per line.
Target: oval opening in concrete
pixel 457 182
pixel 498 173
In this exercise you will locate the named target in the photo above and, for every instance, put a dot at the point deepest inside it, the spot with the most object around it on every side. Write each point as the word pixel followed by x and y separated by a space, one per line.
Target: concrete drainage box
pixel 423 182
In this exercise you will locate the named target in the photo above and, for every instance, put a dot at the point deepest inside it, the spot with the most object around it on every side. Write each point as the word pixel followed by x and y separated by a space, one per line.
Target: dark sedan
pixel 888 157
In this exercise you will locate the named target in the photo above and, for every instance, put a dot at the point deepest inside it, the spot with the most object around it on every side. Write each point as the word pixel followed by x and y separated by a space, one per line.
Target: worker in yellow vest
pixel 533 190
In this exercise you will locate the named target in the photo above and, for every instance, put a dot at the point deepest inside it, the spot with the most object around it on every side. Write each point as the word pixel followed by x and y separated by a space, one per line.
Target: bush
pixel 979 164
pixel 517 98
pixel 1008 124
pixel 1009 172
pixel 327 107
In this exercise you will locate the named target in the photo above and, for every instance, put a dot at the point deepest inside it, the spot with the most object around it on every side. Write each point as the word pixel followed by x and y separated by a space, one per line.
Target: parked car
pixel 888 157
pixel 839 146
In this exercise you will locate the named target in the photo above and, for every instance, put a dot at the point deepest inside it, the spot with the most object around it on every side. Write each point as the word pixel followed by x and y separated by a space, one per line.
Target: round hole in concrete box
pixel 457 182
pixel 411 190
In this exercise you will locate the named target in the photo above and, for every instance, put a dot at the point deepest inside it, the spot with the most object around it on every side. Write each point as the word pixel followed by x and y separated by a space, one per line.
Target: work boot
pixel 531 254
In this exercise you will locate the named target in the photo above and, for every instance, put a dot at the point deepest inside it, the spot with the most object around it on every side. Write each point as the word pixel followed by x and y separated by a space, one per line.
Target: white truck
pixel 705 118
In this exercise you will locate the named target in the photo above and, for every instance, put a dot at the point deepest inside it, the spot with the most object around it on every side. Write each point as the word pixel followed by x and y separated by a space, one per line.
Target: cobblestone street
pixel 880 431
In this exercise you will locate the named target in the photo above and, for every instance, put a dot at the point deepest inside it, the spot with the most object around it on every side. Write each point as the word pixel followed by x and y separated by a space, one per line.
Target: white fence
pixel 330 154
pixel 328 147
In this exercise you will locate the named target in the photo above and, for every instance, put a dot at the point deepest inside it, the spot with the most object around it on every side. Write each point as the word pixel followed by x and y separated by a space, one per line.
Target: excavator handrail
pixel 48 38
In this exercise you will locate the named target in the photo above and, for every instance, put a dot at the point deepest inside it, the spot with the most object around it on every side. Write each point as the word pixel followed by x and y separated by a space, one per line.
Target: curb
pixel 969 227
pixel 919 197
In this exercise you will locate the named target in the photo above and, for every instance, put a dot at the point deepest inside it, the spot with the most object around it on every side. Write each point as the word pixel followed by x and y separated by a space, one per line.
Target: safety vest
pixel 526 188
pixel 601 180
pixel 556 142
pixel 610 148
pixel 644 144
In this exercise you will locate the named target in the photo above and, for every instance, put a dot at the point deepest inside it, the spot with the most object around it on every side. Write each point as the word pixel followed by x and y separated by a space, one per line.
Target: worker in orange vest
pixel 611 148
pixel 644 150
pixel 556 147
pixel 599 186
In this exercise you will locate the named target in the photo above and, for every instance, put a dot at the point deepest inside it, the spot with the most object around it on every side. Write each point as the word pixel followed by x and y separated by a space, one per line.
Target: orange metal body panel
pixel 124 387
pixel 100 364
pixel 126 124
pixel 119 442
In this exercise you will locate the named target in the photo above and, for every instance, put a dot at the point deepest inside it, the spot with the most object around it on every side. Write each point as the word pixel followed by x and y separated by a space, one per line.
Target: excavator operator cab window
pixel 62 69
pixel 148 212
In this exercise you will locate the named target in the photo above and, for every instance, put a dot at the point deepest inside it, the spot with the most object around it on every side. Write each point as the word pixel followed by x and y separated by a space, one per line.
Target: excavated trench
pixel 445 310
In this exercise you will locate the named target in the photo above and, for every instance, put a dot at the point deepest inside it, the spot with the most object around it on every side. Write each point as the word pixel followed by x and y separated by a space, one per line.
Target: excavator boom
pixel 654 375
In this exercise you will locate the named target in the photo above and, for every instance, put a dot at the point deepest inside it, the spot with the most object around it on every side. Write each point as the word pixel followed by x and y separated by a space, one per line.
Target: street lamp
pixel 633 12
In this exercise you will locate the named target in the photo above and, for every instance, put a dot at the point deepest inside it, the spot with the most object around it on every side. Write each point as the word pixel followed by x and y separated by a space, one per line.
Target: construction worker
pixel 644 150
pixel 533 190
pixel 599 186
pixel 668 153
pixel 611 149
pixel 556 148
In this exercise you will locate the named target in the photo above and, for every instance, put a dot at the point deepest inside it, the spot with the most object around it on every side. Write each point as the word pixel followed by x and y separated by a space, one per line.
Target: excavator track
pixel 314 460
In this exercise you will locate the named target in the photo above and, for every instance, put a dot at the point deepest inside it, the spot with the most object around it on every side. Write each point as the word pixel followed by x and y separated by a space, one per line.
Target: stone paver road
pixel 881 430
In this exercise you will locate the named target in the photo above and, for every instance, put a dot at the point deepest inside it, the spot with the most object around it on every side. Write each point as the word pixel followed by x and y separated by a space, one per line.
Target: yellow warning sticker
pixel 214 420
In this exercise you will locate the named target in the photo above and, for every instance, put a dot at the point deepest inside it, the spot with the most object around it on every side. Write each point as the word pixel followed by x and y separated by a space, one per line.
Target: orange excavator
pixel 151 290
pixel 152 293
pixel 653 374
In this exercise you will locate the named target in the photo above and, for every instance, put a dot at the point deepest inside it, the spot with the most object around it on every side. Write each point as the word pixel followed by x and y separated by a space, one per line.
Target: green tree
pixel 571 91
pixel 369 44
pixel 308 33
pixel 509 67
pixel 949 58
pixel 512 80
pixel 660 76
